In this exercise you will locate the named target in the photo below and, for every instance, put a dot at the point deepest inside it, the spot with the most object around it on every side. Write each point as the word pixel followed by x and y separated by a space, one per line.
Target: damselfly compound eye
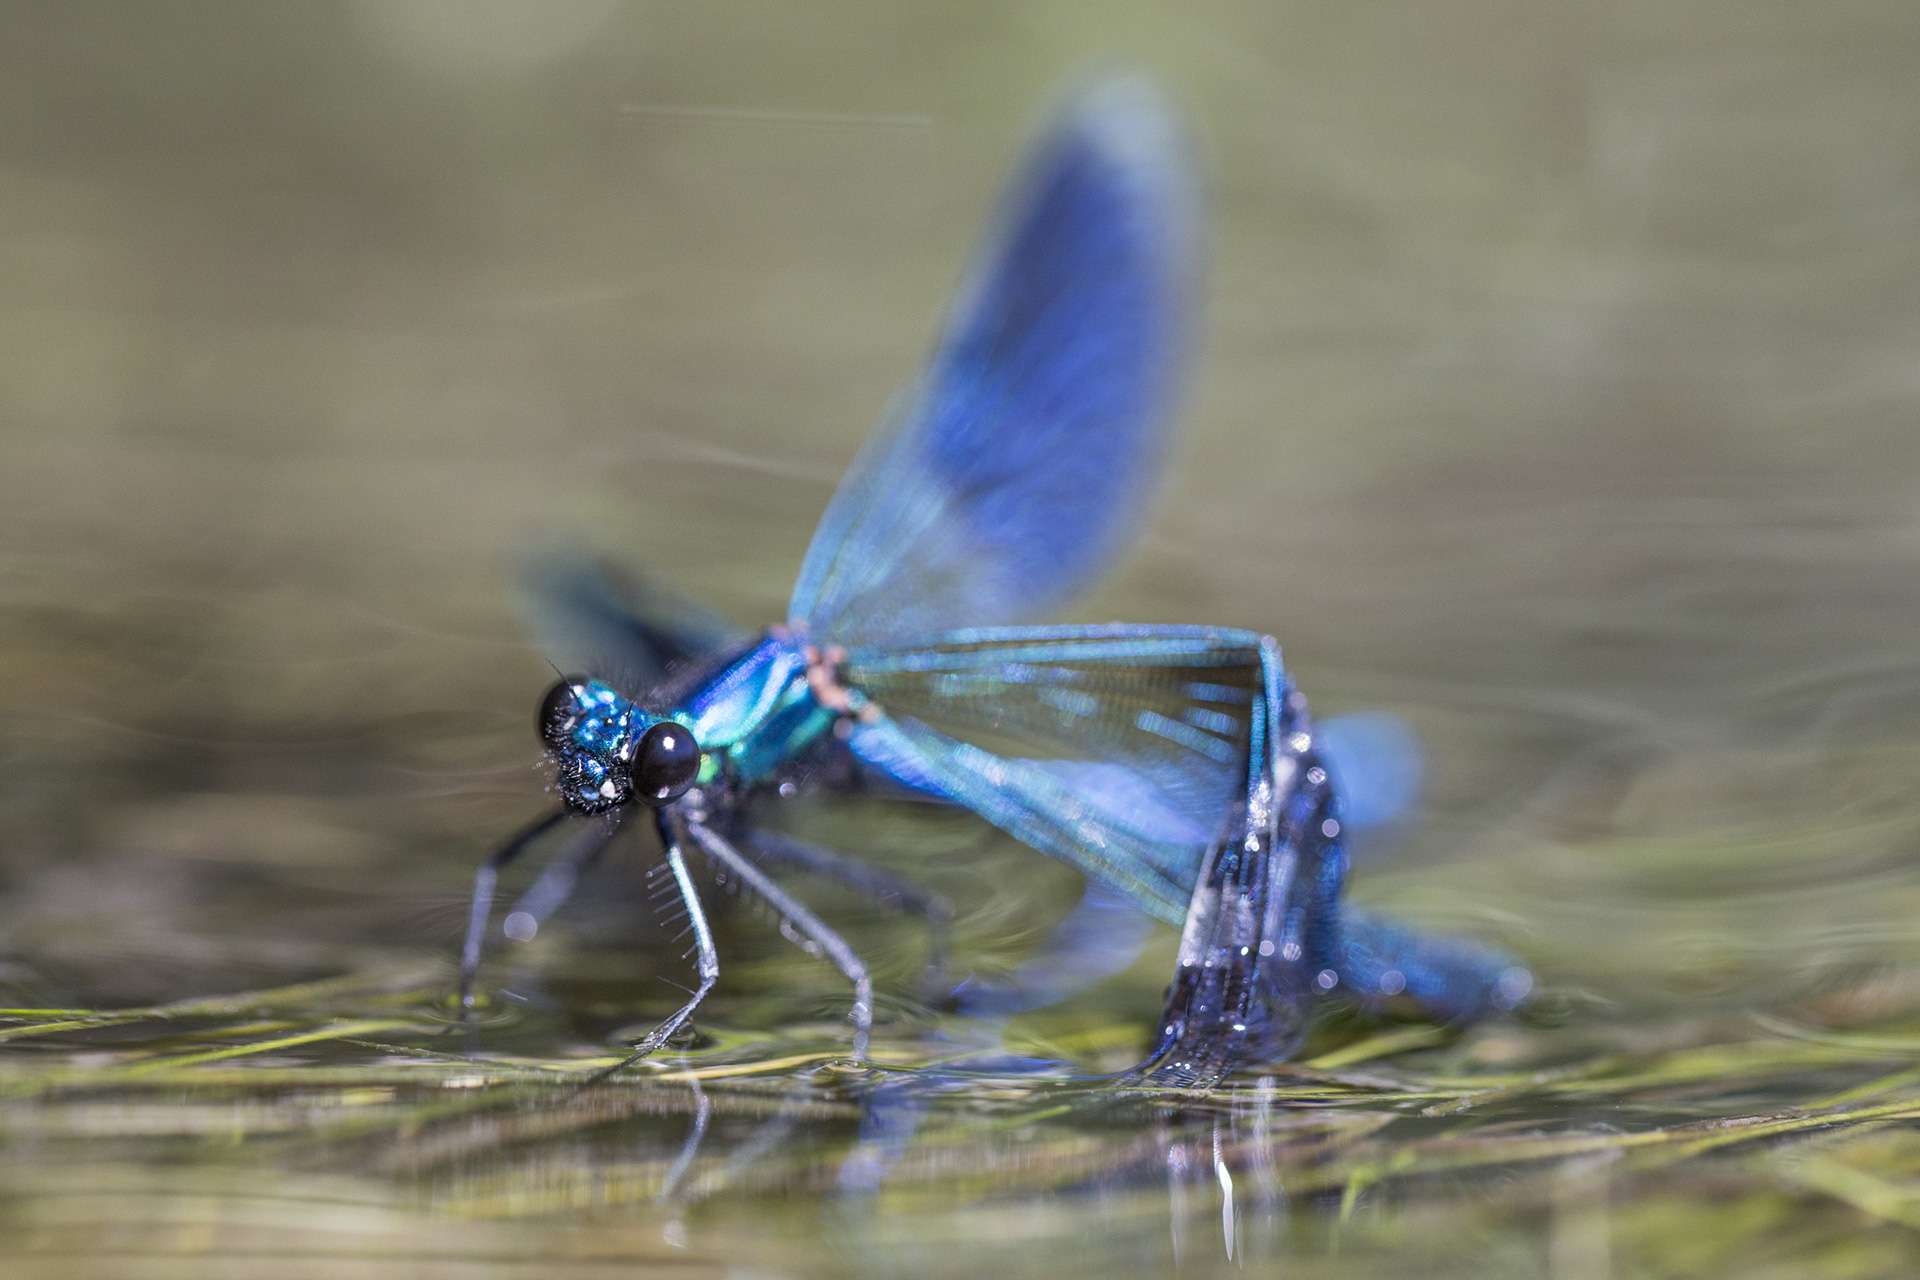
pixel 559 710
pixel 666 760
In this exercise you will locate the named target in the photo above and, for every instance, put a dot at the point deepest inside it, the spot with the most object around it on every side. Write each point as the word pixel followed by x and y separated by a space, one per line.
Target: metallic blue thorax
pixel 756 712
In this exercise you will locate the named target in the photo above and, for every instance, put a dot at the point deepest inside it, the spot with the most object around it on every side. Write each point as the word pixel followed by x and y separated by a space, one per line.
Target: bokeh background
pixel 1557 394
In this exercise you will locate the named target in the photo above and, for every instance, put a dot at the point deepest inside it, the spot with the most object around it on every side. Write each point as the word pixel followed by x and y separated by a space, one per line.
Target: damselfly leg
pixel 480 909
pixel 879 887
pixel 547 893
pixel 707 958
pixel 557 881
pixel 804 922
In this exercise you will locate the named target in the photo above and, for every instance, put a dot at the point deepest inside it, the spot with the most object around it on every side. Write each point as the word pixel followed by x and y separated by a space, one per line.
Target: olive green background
pixel 1557 392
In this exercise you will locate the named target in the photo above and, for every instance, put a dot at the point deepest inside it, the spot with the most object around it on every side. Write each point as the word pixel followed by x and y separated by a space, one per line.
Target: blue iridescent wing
pixel 628 632
pixel 1017 468
pixel 1377 760
pixel 1374 756
pixel 1124 751
pixel 1449 979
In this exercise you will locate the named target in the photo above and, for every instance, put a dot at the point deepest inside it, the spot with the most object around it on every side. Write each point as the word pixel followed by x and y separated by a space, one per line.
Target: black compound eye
pixel 559 709
pixel 666 760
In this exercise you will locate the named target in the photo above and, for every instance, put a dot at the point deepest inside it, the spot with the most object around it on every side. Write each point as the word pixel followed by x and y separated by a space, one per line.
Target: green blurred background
pixel 1557 393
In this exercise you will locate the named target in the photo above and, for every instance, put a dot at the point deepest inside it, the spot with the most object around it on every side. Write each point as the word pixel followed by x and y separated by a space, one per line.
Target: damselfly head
pixel 610 751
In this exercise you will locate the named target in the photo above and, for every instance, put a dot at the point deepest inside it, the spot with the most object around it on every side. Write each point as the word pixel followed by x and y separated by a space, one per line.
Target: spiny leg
pixel 482 905
pixel 878 886
pixel 707 964
pixel 811 926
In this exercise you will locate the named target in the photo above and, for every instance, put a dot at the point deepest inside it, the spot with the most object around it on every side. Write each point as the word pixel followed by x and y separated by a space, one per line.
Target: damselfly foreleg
pixel 707 958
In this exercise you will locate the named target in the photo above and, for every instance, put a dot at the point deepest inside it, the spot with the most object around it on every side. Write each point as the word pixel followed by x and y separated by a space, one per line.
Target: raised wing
pixel 1125 751
pixel 590 620
pixel 1017 468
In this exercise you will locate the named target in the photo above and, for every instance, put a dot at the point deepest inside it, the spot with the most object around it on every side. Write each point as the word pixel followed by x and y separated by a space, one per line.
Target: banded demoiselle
pixel 1175 764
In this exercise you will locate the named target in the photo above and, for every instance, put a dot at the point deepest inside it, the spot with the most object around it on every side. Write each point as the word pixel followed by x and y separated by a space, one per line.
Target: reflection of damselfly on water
pixel 1175 764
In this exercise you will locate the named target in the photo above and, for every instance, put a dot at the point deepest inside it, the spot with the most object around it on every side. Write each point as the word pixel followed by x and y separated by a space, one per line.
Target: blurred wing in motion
pixel 1017 468
pixel 1124 751
pixel 1377 762
pixel 588 619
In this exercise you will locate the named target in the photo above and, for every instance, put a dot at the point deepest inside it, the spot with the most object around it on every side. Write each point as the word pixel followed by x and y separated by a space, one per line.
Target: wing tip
pixel 1124 111
pixel 1129 119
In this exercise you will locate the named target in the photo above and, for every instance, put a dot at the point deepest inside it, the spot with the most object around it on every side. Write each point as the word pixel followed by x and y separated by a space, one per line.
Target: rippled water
pixel 1558 397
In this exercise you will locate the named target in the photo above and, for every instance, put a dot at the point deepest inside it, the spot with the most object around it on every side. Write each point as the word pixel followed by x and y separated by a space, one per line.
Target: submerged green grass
pixel 1763 1120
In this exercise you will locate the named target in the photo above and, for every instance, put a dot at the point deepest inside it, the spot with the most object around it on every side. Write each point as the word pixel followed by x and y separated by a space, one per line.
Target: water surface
pixel 1557 396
